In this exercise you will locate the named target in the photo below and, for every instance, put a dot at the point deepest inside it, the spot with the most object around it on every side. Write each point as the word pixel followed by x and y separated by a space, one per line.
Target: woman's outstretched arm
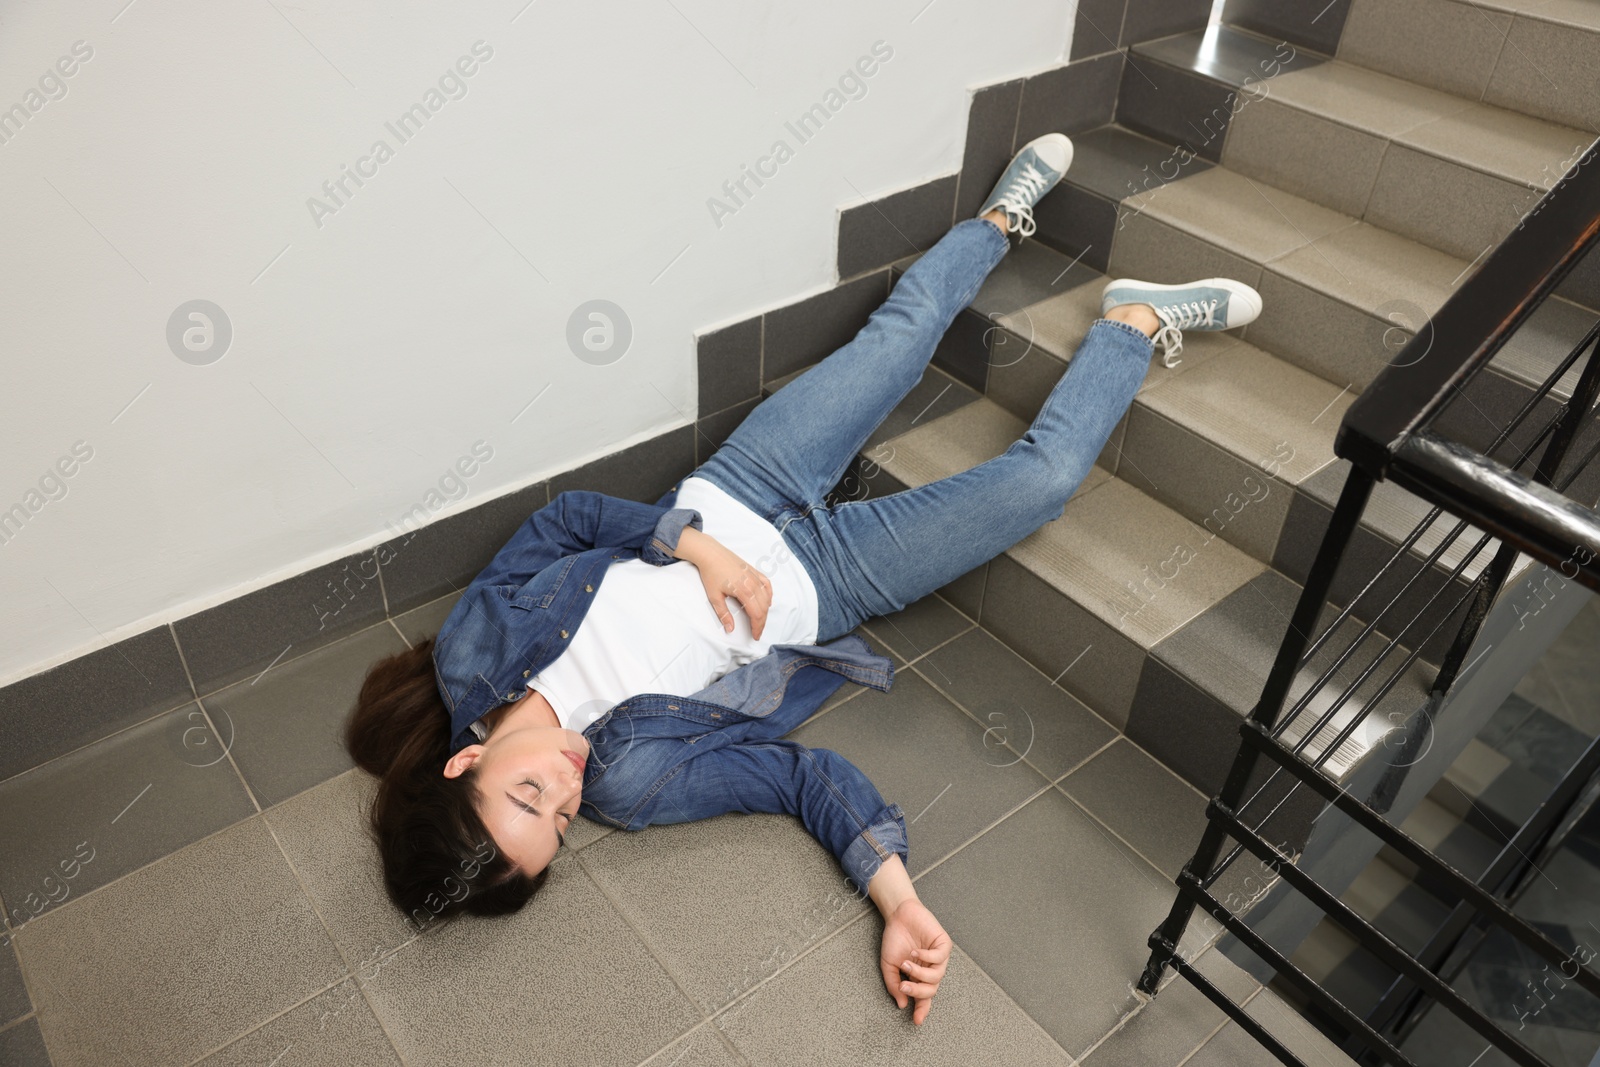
pixel 913 941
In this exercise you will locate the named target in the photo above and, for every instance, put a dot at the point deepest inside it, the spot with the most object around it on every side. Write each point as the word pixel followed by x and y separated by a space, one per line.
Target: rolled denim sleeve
pixel 835 800
pixel 664 541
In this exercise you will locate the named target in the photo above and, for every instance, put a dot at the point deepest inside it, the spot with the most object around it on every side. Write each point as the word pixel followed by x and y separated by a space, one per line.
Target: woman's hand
pixel 914 943
pixel 724 574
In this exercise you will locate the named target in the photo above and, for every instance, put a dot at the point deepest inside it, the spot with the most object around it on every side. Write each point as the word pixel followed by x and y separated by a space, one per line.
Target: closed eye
pixel 561 839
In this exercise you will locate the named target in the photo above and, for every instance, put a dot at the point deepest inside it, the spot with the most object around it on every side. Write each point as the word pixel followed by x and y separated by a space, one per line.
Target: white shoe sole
pixel 1242 297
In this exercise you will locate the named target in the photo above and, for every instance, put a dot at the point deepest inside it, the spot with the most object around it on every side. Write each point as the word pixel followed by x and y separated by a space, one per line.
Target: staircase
pixel 1320 198
pixel 1356 190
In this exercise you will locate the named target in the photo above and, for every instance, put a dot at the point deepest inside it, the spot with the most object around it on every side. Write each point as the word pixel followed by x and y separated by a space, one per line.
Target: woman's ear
pixel 456 765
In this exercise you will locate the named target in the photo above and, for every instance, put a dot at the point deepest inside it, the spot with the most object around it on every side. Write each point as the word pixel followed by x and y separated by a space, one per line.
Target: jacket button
pixel 563 633
pixel 511 696
pixel 590 588
pixel 526 673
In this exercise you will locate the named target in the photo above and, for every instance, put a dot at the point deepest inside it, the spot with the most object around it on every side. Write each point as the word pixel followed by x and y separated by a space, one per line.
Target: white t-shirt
pixel 653 629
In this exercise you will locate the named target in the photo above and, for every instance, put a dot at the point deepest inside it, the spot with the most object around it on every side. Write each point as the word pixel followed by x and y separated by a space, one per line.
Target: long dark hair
pixel 439 858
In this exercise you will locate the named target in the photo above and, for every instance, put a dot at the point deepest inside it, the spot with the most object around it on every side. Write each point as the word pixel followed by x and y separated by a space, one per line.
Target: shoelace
pixel 1028 182
pixel 1176 317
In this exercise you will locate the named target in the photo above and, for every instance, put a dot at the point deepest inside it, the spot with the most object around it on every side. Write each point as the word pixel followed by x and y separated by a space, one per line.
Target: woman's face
pixel 531 787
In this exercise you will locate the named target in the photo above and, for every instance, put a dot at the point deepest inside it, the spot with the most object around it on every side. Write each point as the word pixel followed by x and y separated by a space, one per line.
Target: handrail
pixel 1504 502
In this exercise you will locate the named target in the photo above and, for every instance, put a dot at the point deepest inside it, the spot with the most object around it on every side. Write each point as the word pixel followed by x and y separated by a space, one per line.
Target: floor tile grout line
pixel 86 894
pixel 345 636
pixel 728 1042
pixel 912 660
pixel 183 660
pixel 327 931
pixel 1004 992
pixel 313 995
pixel 942 860
pixel 1106 829
pixel 750 992
pixel 703 1023
pixel 655 953
pixel 121 730
pixel 1022 757
pixel 1253 994
pixel 1146 1002
pixel 383 589
pixel 248 791
pixel 908 665
pixel 399 633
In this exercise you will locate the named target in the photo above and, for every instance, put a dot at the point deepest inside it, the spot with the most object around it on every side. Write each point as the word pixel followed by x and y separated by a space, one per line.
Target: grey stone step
pixel 1445 170
pixel 1533 56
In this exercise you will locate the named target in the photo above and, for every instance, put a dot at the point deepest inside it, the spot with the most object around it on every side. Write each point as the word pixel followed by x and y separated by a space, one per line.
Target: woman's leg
pixel 872 557
pixel 796 445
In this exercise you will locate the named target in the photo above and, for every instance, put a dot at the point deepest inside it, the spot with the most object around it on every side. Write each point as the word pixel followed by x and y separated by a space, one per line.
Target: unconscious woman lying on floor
pixel 586 670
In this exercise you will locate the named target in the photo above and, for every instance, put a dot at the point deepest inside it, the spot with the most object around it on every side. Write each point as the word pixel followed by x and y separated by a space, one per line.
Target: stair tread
pixel 1226 54
pixel 1505 143
pixel 1249 218
pixel 1112 538
pixel 971 435
pixel 1250 402
pixel 1058 325
pixel 1116 552
pixel 1373 269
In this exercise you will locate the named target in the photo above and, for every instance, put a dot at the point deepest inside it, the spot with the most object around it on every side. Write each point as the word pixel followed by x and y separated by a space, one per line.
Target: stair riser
pixel 1519 62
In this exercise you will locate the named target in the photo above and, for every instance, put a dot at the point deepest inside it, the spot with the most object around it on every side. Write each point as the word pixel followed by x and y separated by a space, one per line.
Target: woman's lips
pixel 577 760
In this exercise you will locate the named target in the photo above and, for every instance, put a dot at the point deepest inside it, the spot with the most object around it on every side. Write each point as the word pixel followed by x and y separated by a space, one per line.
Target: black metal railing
pixel 1316 699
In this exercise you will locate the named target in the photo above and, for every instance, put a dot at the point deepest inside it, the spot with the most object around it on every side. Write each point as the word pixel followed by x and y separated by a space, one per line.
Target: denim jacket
pixel 519 614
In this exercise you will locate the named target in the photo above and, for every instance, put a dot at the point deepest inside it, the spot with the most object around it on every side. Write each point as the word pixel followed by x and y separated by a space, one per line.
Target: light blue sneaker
pixel 1033 172
pixel 1208 304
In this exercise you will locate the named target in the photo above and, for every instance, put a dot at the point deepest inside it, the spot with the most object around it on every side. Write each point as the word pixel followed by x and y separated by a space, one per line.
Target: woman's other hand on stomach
pixel 725 574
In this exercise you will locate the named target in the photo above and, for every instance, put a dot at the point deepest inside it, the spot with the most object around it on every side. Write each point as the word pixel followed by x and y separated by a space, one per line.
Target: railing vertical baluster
pixel 1346 517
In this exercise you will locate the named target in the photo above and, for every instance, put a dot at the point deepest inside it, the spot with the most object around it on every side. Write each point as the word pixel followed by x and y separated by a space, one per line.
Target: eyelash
pixel 540 788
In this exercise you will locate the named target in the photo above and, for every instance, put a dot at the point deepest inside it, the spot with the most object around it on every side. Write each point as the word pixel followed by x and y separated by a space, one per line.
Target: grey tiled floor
pixel 226 906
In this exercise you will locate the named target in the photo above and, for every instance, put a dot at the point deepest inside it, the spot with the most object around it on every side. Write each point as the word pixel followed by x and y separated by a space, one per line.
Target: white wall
pixel 371 351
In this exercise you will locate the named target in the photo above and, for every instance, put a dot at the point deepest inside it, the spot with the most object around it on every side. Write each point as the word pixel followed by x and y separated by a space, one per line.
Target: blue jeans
pixel 873 557
pixel 866 557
